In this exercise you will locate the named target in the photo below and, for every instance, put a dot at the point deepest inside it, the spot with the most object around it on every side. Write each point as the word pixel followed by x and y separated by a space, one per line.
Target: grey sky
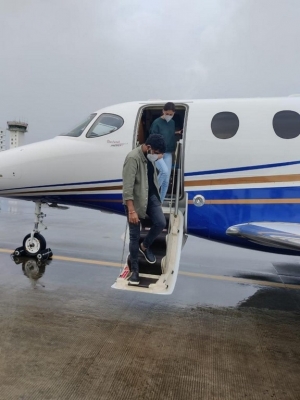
pixel 62 59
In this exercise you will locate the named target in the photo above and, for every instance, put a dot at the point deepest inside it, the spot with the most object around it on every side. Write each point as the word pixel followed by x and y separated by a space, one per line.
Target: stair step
pixel 144 282
pixel 160 241
pixel 147 268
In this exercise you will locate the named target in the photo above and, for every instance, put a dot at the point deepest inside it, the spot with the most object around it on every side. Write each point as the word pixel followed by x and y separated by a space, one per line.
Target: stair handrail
pixel 178 182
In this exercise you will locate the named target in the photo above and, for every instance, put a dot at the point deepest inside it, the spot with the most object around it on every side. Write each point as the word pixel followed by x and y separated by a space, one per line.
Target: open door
pixel 147 114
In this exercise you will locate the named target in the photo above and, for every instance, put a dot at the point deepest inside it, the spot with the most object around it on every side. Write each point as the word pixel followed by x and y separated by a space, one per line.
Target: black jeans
pixel 155 213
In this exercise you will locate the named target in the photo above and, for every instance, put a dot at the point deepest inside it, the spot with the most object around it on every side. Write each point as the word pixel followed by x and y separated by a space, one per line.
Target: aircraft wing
pixel 273 234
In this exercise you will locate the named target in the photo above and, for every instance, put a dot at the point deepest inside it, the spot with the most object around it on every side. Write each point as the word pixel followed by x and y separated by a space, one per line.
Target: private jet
pixel 235 176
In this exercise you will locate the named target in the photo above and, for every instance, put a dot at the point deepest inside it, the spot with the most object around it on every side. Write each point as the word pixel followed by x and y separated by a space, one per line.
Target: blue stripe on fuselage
pixel 246 168
pixel 63 184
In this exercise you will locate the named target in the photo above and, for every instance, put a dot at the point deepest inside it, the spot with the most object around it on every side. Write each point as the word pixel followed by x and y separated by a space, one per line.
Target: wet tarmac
pixel 230 330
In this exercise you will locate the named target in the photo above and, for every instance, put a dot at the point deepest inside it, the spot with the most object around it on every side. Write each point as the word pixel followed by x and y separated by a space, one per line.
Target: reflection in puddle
pixel 278 299
pixel 32 268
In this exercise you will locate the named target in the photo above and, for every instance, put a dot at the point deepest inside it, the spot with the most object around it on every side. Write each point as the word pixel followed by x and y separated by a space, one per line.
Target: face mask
pixel 168 117
pixel 152 157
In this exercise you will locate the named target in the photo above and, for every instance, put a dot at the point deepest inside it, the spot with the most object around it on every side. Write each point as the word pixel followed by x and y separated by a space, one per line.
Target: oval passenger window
pixel 286 124
pixel 105 124
pixel 225 125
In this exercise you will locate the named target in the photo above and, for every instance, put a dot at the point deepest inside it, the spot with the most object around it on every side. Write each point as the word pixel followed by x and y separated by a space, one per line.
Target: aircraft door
pixel 149 113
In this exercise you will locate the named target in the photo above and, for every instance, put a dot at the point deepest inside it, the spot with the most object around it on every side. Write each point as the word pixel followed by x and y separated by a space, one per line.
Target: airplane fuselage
pixel 251 175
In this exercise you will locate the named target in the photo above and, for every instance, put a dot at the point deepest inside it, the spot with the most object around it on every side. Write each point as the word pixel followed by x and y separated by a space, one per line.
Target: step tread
pixel 145 282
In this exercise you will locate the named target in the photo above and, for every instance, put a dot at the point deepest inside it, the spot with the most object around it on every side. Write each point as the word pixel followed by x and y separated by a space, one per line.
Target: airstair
pixel 160 278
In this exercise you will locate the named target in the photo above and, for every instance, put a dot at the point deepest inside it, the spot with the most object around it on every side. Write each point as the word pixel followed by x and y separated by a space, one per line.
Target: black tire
pixel 39 243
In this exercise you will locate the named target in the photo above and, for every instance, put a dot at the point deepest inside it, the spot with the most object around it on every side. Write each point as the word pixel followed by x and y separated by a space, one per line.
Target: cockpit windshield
pixel 77 131
pixel 105 124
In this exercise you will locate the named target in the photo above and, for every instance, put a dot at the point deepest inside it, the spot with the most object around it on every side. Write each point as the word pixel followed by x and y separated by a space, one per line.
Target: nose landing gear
pixel 34 244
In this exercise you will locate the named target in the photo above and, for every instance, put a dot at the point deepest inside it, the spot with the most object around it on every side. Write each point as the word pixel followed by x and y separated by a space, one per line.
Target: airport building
pixel 17 130
pixel 2 139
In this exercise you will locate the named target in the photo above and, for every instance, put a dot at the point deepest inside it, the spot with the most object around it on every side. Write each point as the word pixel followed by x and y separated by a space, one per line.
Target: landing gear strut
pixel 34 244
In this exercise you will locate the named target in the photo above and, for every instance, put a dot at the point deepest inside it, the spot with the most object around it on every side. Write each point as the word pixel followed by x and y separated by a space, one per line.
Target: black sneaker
pixel 134 279
pixel 149 256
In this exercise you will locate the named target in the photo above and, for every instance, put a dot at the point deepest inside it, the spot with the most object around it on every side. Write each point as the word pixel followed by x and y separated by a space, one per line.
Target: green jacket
pixel 167 130
pixel 135 180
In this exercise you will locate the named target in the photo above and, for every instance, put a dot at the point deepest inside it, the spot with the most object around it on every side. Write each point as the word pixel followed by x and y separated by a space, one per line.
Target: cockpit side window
pixel 105 124
pixel 77 131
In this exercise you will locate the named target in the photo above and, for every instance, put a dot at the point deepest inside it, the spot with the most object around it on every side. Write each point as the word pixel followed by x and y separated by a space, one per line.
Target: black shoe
pixel 149 256
pixel 134 279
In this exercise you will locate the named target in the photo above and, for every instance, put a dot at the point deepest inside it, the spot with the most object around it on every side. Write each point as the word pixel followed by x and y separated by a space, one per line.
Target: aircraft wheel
pixel 38 244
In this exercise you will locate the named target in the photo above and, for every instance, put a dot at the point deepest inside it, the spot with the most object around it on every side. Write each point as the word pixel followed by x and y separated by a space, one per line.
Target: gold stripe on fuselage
pixel 244 180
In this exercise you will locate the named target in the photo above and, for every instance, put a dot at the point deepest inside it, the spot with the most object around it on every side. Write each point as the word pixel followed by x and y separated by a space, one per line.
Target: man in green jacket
pixel 141 198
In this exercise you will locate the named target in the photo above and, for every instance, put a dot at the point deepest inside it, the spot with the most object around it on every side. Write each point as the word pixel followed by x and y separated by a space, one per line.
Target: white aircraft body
pixel 236 174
